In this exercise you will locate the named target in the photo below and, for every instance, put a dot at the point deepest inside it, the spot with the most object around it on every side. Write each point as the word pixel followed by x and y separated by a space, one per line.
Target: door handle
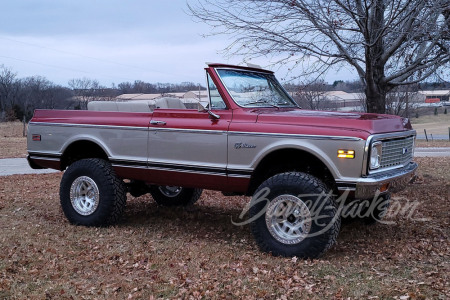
pixel 154 122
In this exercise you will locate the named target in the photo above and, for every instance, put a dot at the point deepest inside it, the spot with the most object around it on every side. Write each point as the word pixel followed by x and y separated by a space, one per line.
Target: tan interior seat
pixel 136 106
pixel 141 106
pixel 102 106
pixel 170 103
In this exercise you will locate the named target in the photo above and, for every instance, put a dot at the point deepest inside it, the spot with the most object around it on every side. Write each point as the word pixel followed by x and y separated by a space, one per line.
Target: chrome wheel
pixel 84 195
pixel 170 191
pixel 288 219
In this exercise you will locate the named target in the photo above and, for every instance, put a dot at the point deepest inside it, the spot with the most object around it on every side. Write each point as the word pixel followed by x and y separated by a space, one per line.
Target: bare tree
pixel 85 90
pixel 312 95
pixel 39 92
pixel 387 42
pixel 8 89
pixel 400 100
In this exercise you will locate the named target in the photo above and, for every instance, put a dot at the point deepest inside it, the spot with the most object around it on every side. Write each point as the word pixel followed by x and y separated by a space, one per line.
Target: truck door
pixel 188 148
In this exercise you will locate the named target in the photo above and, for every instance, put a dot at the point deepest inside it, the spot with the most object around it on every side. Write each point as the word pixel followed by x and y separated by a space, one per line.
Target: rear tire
pixel 91 194
pixel 294 216
pixel 175 195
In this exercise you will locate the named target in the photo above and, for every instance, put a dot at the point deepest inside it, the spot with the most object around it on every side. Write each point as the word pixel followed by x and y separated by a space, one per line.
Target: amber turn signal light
pixel 346 153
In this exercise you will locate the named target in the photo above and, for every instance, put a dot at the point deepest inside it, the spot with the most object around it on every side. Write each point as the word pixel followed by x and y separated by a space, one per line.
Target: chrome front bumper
pixel 390 181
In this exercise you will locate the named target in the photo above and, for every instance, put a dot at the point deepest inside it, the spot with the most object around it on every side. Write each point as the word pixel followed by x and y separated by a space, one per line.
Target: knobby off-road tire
pixel 91 194
pixel 294 215
pixel 175 195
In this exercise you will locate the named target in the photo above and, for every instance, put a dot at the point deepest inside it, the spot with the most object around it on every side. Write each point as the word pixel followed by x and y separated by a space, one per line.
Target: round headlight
pixel 375 155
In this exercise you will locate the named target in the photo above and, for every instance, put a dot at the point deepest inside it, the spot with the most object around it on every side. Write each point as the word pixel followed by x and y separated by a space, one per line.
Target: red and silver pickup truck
pixel 250 138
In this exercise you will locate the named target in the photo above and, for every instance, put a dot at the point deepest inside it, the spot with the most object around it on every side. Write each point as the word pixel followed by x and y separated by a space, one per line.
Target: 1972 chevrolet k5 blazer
pixel 249 139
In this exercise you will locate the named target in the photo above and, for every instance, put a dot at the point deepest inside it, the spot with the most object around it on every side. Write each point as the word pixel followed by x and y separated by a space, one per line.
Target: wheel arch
pixel 81 149
pixel 292 158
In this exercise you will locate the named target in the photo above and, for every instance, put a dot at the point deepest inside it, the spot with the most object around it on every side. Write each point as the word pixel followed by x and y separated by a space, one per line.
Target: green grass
pixel 440 118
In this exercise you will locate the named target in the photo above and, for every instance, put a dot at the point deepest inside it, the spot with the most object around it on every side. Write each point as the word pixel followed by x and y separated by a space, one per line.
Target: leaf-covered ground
pixel 158 252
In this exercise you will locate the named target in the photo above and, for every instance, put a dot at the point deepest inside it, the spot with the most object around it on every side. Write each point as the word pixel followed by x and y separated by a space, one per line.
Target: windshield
pixel 253 89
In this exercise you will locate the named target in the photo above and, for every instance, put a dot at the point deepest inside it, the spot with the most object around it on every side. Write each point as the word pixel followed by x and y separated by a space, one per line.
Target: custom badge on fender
pixel 243 145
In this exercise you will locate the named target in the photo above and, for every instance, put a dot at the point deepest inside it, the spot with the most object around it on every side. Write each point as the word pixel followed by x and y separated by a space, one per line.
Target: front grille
pixel 397 152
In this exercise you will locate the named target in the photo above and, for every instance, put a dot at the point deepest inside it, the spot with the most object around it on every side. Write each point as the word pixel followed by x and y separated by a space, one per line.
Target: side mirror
pixel 204 107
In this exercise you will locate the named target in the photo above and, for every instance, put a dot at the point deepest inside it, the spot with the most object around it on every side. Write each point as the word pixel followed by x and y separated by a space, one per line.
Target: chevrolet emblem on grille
pixel 404 151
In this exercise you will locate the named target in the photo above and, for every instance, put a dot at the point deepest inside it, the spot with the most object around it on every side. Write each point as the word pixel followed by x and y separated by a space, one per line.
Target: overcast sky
pixel 109 40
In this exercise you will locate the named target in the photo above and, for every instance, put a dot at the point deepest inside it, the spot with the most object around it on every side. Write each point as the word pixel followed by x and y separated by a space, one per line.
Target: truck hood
pixel 370 123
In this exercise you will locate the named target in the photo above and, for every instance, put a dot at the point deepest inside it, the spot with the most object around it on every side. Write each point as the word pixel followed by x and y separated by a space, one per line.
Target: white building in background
pixel 196 94
pixel 436 95
pixel 136 97
pixel 337 100
pixel 345 101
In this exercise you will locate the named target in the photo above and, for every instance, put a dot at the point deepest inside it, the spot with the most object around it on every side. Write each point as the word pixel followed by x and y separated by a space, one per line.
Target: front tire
pixel 91 194
pixel 294 215
pixel 175 195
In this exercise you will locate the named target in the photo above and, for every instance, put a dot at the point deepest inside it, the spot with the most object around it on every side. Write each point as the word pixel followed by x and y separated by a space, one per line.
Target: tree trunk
pixel 376 98
pixel 407 104
pixel 376 88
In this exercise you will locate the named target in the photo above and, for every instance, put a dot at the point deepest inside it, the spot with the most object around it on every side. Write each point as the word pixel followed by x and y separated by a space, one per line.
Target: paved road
pixel 12 166
pixel 432 152
pixel 436 137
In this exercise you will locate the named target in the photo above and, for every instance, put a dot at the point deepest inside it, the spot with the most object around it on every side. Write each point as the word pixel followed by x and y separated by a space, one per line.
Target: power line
pixel 64 68
pixel 78 54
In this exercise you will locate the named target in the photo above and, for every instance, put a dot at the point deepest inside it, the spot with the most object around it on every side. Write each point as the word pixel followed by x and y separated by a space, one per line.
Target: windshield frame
pixel 281 89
